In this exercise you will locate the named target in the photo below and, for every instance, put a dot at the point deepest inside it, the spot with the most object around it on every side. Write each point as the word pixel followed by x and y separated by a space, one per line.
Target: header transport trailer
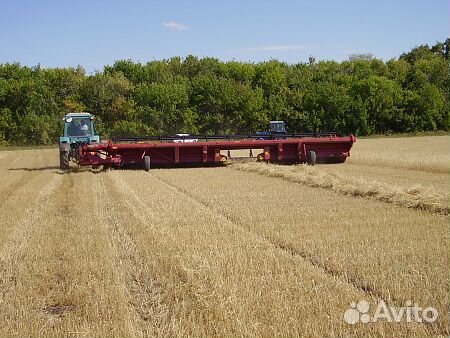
pixel 183 149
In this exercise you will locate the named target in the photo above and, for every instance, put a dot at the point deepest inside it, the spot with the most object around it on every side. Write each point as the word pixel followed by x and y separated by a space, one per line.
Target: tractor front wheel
pixel 64 160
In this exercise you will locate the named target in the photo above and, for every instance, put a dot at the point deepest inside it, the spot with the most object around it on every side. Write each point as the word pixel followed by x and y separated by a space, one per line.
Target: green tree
pixel 362 95
pixel 106 95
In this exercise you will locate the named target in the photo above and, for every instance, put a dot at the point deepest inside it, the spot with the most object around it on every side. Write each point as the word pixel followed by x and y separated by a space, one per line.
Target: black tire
pixel 64 160
pixel 146 163
pixel 312 157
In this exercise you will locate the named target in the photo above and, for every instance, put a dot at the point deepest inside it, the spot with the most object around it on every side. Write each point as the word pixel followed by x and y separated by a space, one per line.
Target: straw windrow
pixel 416 197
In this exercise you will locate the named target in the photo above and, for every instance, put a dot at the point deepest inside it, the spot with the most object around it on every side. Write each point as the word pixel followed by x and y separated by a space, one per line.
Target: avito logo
pixel 359 312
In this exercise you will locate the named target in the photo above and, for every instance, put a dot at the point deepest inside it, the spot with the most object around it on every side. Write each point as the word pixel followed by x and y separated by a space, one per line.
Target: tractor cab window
pixel 79 127
pixel 277 127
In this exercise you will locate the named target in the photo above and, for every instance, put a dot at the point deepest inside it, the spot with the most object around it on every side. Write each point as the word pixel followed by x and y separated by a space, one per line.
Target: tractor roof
pixel 78 114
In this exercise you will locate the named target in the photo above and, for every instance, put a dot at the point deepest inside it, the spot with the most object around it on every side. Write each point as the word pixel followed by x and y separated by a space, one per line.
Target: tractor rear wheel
pixel 146 163
pixel 64 160
pixel 312 157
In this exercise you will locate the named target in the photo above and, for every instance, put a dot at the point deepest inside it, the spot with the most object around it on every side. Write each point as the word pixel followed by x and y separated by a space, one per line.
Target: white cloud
pixel 176 26
pixel 276 48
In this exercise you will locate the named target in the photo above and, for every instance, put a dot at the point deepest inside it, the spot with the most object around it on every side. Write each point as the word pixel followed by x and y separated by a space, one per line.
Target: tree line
pixel 362 95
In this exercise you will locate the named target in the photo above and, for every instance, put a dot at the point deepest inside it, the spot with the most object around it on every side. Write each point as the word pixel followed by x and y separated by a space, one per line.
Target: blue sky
pixel 95 33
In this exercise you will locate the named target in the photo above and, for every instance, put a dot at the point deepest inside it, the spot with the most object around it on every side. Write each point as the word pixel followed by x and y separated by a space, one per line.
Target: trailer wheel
pixel 312 157
pixel 260 157
pixel 146 163
pixel 64 160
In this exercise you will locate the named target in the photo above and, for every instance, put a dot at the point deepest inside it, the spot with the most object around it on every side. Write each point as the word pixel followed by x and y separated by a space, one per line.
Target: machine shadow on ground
pixel 57 170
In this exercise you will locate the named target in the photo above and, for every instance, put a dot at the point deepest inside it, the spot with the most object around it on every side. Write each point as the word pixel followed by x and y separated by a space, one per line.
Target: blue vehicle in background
pixel 79 129
pixel 277 130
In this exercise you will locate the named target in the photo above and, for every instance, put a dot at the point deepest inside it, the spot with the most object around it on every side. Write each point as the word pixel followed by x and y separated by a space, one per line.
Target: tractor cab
pixel 79 128
pixel 277 130
pixel 277 127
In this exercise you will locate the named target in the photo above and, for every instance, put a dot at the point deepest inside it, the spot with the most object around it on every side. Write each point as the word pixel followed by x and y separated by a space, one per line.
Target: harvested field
pixel 427 153
pixel 261 251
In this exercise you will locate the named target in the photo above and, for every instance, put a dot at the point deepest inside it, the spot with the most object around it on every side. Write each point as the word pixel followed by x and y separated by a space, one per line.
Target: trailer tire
pixel 312 157
pixel 146 163
pixel 64 160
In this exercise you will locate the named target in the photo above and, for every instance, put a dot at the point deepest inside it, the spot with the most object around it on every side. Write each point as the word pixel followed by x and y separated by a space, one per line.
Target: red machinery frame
pixel 328 149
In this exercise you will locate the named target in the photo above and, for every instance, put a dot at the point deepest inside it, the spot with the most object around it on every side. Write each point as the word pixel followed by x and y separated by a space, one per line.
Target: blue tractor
pixel 79 130
pixel 277 129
